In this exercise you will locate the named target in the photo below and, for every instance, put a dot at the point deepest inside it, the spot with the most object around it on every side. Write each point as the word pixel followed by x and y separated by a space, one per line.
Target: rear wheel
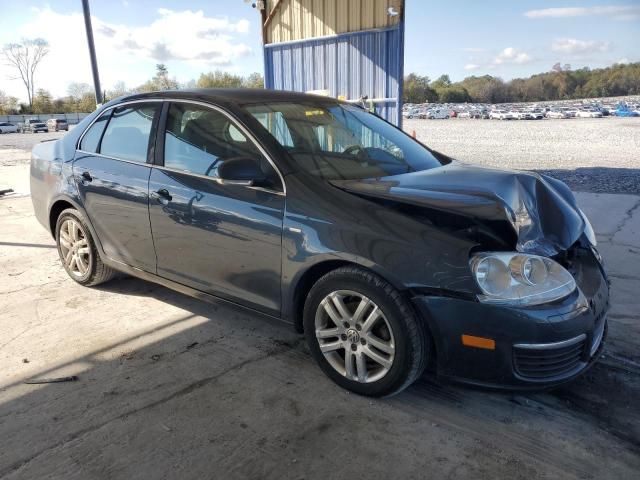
pixel 363 333
pixel 78 252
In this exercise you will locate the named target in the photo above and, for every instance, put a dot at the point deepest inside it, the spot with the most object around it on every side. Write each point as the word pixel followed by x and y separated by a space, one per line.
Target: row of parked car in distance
pixel 35 125
pixel 425 112
pixel 520 111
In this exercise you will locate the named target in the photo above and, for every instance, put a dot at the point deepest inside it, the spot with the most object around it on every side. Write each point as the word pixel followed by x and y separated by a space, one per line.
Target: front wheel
pixel 78 252
pixel 363 333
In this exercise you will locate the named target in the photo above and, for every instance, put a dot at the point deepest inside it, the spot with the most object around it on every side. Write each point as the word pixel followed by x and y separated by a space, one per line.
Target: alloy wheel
pixel 74 248
pixel 354 336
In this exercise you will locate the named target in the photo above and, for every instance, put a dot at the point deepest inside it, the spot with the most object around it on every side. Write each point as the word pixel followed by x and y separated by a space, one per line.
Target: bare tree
pixel 161 80
pixel 119 89
pixel 8 104
pixel 25 57
pixel 77 90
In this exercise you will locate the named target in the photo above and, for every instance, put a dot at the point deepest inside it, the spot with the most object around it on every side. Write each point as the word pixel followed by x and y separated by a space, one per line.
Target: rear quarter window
pixel 91 139
pixel 128 131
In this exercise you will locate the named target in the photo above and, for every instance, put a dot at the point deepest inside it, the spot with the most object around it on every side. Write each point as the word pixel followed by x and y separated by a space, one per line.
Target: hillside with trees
pixel 561 83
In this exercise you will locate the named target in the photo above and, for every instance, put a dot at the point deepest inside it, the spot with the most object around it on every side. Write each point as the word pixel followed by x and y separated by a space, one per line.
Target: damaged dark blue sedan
pixel 390 257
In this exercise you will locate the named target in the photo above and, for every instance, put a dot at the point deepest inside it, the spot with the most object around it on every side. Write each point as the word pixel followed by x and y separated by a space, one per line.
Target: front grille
pixel 545 361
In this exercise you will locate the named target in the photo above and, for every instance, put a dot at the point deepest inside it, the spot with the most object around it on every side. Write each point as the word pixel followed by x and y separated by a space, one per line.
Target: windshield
pixel 341 142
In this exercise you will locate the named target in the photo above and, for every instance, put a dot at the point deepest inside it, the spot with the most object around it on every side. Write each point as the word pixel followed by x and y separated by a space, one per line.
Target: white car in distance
pixel 501 115
pixel 557 114
pixel 6 127
pixel 536 113
pixel 437 113
pixel 589 113
pixel 411 113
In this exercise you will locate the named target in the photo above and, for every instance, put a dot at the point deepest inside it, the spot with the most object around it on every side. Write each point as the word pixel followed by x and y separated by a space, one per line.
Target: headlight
pixel 588 230
pixel 520 279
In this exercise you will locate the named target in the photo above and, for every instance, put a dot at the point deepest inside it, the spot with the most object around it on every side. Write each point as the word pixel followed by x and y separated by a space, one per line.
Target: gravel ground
pixel 26 141
pixel 590 155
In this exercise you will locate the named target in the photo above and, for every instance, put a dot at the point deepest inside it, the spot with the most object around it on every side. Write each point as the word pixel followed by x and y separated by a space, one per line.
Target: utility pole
pixel 92 51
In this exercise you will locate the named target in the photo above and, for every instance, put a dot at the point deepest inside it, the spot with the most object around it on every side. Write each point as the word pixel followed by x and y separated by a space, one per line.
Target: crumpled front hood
pixel 541 210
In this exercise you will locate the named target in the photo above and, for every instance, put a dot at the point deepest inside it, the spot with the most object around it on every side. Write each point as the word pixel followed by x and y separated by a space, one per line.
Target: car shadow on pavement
pixel 216 388
pixel 609 382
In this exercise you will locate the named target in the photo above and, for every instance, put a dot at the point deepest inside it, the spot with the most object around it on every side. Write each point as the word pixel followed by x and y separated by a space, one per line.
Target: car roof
pixel 231 95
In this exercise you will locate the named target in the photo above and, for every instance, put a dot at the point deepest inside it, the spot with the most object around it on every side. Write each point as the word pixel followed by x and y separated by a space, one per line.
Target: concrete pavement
pixel 169 387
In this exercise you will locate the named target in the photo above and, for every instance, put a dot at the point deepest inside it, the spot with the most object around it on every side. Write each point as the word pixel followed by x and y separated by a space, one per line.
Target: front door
pixel 112 172
pixel 219 238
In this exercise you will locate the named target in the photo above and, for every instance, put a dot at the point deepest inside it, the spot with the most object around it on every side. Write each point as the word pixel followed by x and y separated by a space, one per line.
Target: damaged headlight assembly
pixel 513 278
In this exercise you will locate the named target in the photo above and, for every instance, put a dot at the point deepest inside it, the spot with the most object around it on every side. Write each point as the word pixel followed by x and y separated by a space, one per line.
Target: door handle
pixel 86 177
pixel 163 196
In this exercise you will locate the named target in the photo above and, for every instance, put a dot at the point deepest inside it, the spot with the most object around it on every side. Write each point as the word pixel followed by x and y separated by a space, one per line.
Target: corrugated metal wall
pixel 303 19
pixel 350 65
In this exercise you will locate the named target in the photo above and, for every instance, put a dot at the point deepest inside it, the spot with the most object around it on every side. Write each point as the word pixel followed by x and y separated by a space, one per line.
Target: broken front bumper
pixel 533 347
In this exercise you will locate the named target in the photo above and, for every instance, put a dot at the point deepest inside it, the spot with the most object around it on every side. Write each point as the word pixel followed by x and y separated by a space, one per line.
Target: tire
pixel 88 270
pixel 385 357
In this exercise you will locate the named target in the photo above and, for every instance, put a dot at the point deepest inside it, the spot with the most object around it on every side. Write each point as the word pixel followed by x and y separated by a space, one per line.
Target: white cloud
pixel 188 38
pixel 623 61
pixel 512 55
pixel 618 12
pixel 506 57
pixel 184 35
pixel 572 46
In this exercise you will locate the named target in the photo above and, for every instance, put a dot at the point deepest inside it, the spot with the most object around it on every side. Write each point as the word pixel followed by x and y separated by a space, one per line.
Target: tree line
pixel 81 96
pixel 561 83
pixel 558 84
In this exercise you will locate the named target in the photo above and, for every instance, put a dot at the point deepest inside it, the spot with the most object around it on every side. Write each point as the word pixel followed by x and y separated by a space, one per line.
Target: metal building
pixel 346 48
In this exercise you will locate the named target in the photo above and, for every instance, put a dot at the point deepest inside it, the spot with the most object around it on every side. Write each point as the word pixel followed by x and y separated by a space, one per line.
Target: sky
pixel 505 38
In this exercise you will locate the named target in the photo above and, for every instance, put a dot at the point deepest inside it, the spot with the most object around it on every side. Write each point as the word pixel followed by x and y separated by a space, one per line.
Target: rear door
pixel 111 169
pixel 219 238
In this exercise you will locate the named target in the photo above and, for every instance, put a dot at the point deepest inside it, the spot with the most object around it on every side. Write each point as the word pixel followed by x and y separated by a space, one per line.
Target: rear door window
pixel 128 131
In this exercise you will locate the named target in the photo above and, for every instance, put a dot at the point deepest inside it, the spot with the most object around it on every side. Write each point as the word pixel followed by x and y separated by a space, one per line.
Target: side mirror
pixel 241 171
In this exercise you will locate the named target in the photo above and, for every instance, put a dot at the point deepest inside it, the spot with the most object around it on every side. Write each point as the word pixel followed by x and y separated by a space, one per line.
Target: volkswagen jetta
pixel 389 256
